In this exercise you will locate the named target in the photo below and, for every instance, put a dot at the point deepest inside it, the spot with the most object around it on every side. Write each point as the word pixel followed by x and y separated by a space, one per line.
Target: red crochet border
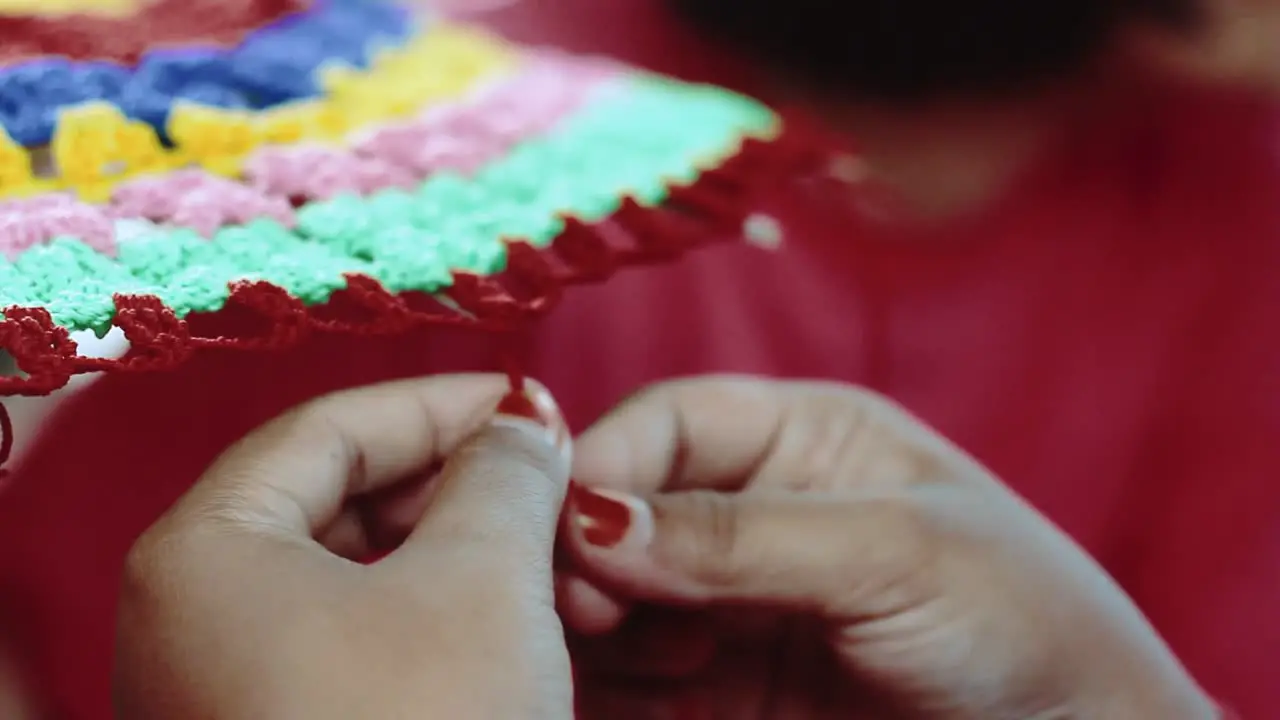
pixel 124 39
pixel 713 207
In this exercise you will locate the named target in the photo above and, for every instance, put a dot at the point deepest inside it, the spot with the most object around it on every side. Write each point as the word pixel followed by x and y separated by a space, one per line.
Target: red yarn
pixel 156 23
pixel 714 207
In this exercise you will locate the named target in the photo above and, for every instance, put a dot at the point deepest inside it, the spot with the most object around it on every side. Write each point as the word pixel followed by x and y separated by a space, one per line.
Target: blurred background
pixel 1074 275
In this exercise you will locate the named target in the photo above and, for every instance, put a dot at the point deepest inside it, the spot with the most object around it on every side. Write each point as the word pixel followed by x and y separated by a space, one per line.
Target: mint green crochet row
pixel 633 138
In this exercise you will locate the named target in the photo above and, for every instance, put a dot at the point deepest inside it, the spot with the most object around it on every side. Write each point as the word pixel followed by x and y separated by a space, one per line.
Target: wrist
pixel 1125 670
pixel 1169 696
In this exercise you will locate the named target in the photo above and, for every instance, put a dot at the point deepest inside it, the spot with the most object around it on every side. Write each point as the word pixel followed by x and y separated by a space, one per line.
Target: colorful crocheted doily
pixel 343 165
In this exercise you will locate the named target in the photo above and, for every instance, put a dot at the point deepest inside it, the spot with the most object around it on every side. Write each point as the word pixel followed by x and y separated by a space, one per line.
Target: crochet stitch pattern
pixel 333 165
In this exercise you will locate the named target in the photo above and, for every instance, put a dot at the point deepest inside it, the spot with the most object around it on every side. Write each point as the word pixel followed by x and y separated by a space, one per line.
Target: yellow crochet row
pixel 96 146
pixel 107 8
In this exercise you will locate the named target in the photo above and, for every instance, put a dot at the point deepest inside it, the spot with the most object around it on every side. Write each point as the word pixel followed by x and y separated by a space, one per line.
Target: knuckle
pixel 902 569
pixel 321 421
pixel 839 396
pixel 315 425
pixel 830 447
pixel 709 543
pixel 318 415
pixel 850 438
pixel 149 564
pixel 243 502
pixel 695 389
pixel 907 522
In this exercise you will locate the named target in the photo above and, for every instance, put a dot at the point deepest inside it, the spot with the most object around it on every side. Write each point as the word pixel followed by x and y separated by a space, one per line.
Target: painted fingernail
pixel 533 405
pixel 530 403
pixel 609 520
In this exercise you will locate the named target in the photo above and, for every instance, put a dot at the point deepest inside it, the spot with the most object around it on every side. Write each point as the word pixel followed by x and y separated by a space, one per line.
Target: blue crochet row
pixel 273 65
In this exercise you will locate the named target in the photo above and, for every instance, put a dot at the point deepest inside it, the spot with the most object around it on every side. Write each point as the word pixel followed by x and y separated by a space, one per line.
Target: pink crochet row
pixel 455 138
pixel 459 138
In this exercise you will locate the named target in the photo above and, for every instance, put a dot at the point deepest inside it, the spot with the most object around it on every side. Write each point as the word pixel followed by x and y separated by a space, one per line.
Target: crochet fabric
pixel 341 165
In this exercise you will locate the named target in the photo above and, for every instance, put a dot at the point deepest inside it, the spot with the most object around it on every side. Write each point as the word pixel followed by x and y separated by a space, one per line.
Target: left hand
pixel 244 601
pixel 747 548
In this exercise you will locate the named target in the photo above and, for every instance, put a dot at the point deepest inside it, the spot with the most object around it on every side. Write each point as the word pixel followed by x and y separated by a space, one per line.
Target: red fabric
pixel 1107 341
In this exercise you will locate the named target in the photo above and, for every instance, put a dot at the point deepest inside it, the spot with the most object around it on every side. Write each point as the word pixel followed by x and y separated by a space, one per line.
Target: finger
pixel 734 433
pixel 504 487
pixel 377 523
pixel 586 609
pixel 710 433
pixel 294 474
pixel 789 551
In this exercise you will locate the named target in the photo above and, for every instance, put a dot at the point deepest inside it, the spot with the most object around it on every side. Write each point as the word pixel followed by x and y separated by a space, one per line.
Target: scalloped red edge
pixel 715 206
pixel 123 39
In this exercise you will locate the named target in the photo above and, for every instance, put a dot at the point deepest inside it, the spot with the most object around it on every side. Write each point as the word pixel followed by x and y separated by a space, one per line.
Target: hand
pixel 804 550
pixel 242 603
pixel 15 697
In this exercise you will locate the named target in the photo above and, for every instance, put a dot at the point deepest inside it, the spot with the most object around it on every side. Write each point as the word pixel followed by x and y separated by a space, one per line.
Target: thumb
pixel 807 553
pixel 505 485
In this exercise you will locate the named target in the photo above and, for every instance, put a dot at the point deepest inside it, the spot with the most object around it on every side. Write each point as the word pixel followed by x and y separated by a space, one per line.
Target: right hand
pixel 803 550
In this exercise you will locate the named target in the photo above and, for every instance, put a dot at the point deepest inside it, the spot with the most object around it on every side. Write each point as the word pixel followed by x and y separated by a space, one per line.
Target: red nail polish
pixel 532 403
pixel 603 521
pixel 517 403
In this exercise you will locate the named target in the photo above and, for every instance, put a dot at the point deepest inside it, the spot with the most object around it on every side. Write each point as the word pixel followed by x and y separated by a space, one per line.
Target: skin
pixel 795 551
pixel 940 162
pixel 14 700
pixel 1234 44
pixel 242 603
pixel 841 560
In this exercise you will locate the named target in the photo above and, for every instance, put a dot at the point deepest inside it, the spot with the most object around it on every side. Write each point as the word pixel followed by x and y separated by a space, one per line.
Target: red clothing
pixel 1106 340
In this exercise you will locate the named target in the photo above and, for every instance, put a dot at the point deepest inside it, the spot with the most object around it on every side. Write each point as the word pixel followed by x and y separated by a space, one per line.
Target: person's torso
pixel 1046 343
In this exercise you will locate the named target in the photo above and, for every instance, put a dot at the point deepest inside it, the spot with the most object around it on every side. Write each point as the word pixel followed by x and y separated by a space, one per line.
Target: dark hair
pixel 917 49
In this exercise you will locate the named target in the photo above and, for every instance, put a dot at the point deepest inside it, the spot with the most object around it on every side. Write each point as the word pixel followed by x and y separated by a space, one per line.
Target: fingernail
pixel 533 405
pixel 610 520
